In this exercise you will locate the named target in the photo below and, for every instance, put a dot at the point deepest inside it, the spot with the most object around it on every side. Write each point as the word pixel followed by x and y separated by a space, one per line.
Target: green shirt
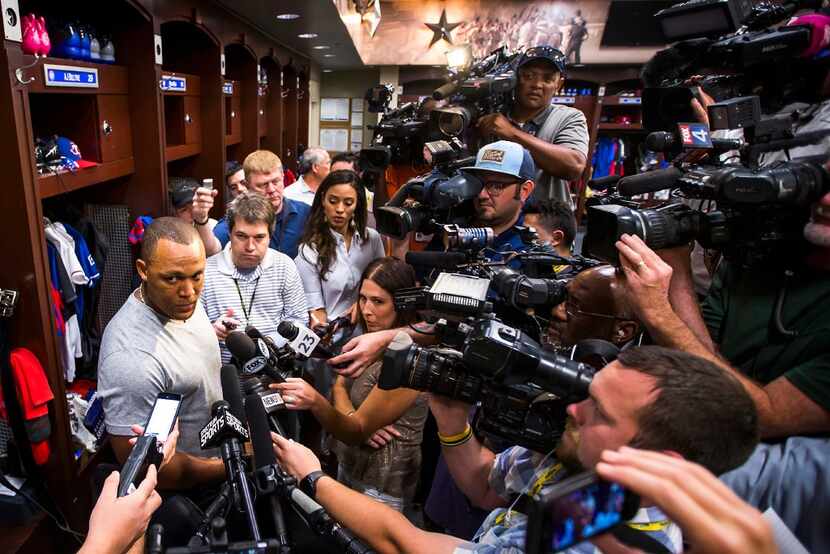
pixel 739 312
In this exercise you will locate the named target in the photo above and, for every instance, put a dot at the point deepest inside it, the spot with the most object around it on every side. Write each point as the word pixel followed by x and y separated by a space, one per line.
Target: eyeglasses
pixel 553 54
pixel 495 188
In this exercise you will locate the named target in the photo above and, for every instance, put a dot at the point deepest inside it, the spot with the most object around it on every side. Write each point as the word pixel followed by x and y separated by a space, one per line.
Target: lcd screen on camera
pixel 586 512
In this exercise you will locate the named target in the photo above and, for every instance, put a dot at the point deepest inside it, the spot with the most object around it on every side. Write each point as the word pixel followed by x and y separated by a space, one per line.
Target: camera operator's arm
pixel 378 525
pixel 712 518
pixel 783 409
pixel 469 461
pixel 559 161
pixel 364 349
pixel 202 203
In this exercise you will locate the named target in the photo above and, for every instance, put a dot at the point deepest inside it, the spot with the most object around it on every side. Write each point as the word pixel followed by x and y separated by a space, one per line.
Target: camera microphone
pixel 651 181
pixel 439 260
pixel 446 90
pixel 663 141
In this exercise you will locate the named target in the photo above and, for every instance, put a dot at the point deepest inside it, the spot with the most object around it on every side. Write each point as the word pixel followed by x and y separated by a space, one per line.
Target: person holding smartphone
pixel 651 397
pixel 117 524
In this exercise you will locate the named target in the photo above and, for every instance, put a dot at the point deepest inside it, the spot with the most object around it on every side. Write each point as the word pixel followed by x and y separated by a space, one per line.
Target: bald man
pixel 595 309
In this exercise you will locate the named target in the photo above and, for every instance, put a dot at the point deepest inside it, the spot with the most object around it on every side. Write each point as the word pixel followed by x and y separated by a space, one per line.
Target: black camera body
pixel 523 388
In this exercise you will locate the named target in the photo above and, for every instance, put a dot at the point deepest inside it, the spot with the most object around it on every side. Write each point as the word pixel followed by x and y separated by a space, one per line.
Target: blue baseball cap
pixel 507 158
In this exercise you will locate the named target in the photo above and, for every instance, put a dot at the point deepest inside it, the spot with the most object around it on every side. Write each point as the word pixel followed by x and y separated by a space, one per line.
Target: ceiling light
pixel 327 70
pixel 321 47
pixel 328 55
pixel 308 35
pixel 288 16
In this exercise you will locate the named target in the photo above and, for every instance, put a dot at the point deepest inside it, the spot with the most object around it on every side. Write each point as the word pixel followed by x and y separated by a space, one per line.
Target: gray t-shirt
pixel 562 126
pixel 142 354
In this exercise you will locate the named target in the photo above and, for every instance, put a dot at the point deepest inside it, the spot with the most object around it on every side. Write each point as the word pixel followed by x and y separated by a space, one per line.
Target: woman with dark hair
pixel 378 432
pixel 336 247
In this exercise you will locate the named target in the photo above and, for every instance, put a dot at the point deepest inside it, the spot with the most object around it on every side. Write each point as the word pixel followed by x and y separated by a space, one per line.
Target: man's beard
pixel 567 451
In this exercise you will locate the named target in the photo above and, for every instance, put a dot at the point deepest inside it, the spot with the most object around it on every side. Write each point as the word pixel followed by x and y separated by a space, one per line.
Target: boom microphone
pixel 440 260
pixel 651 181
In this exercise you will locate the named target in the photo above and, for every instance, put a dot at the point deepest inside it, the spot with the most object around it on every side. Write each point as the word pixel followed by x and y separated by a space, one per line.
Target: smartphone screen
pixel 588 511
pixel 163 416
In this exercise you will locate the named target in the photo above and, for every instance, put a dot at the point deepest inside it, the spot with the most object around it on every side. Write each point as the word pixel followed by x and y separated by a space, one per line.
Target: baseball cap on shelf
pixel 505 157
pixel 70 154
pixel 547 53
pixel 182 190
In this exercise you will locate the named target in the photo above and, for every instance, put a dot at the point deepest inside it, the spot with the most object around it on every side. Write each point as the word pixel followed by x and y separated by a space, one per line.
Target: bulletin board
pixel 341 124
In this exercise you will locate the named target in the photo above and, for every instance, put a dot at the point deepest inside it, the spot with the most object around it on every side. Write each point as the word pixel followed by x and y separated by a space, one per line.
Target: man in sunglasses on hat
pixel 556 135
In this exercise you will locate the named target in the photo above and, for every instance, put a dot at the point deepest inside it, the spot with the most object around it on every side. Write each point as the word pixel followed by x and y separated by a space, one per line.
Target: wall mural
pixel 409 32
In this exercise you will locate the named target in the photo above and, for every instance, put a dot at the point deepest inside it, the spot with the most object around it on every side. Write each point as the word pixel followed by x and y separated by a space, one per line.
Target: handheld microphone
pixel 304 341
pixel 266 479
pixel 440 260
pixel 651 181
pixel 251 360
pixel 269 478
pixel 227 430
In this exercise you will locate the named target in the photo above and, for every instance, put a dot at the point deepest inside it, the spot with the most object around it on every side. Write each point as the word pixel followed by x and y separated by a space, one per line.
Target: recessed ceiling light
pixel 327 71
pixel 321 47
pixel 328 55
pixel 308 35
pixel 288 16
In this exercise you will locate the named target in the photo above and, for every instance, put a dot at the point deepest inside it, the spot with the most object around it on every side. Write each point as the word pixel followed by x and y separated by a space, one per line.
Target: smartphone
pixel 147 448
pixel 207 184
pixel 575 510
pixel 163 416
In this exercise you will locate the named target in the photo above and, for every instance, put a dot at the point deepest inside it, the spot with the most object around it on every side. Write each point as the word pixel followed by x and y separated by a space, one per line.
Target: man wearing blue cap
pixel 555 135
pixel 506 170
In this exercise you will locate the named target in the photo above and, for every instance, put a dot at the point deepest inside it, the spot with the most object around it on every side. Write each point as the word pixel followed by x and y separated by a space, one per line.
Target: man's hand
pixel 383 436
pixel 712 518
pixel 496 124
pixel 700 109
pixel 450 415
pixel 202 203
pixel 225 324
pixel 647 278
pixel 168 446
pixel 361 351
pixel 298 394
pixel 294 458
pixel 116 523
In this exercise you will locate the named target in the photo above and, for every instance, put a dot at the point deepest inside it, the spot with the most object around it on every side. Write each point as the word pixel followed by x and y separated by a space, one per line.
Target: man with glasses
pixel 556 135
pixel 264 175
pixel 507 172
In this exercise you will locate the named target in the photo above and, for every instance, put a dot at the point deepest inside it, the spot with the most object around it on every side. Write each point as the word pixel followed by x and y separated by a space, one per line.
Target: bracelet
pixel 205 222
pixel 458 439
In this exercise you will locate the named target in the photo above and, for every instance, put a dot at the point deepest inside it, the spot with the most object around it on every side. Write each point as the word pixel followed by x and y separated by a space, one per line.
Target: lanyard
pixel 250 309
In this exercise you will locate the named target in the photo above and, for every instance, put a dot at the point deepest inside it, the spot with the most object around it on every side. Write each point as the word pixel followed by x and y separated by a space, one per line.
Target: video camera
pixel 761 211
pixel 443 196
pixel 741 48
pixel 523 389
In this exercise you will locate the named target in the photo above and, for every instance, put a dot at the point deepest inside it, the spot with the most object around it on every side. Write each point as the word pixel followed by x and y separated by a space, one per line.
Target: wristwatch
pixel 309 483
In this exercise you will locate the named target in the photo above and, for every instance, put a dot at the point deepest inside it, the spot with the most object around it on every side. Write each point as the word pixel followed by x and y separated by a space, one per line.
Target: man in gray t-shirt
pixel 555 135
pixel 161 340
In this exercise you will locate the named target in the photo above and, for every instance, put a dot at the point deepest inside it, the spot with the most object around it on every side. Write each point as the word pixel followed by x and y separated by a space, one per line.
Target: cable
pixel 61 523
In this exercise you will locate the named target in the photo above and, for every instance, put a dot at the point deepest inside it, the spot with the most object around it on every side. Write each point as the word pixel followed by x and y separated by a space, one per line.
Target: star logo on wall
pixel 442 29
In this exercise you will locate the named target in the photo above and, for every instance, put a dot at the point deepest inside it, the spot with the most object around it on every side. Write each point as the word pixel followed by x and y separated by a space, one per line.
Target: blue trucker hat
pixel 507 158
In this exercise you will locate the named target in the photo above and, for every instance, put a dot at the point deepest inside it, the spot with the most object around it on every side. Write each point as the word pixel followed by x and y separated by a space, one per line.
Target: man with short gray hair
pixel 315 165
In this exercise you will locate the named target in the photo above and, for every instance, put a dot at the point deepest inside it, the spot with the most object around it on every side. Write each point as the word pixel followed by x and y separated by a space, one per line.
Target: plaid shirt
pixel 518 470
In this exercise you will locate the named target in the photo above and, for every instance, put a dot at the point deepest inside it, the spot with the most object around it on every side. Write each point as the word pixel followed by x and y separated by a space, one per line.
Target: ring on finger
pixel 288 398
pixel 640 264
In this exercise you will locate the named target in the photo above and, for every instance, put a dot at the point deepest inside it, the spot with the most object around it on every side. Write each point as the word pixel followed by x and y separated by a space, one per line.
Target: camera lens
pixel 467 238
pixel 443 374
